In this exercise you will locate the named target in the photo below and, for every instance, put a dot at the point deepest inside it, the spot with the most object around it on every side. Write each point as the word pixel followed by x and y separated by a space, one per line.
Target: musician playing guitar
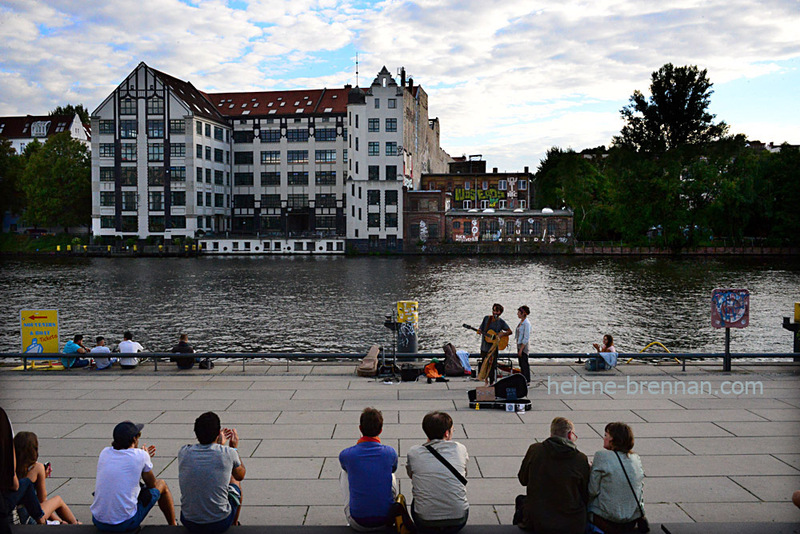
pixel 494 324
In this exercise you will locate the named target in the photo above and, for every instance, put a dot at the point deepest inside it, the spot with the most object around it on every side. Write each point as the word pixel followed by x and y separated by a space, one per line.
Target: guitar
pixel 491 337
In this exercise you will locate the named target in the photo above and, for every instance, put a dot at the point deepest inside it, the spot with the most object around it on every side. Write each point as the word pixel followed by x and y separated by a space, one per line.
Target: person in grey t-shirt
pixel 210 475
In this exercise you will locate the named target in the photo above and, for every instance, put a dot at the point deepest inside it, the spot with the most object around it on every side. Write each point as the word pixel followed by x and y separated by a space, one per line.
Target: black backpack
pixel 452 363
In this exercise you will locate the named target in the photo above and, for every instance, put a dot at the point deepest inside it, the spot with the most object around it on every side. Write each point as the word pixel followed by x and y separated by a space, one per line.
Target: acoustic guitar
pixel 491 337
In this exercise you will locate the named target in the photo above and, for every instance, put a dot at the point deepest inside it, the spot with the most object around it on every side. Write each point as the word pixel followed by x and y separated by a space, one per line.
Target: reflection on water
pixel 336 304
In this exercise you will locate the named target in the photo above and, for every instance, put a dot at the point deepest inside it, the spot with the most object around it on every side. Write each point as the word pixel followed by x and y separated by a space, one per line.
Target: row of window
pixel 155 223
pixel 218 176
pixel 155 151
pixel 155 106
pixel 218 132
pixel 217 199
pixel 295 135
pixel 374 220
pixel 374 125
pixel 292 157
pixel 130 199
pixel 155 175
pixel 501 204
pixel 129 129
pixel 374 172
pixel 374 197
pixel 502 185
pixel 374 148
pixel 293 178
pixel 201 151
pixel 292 201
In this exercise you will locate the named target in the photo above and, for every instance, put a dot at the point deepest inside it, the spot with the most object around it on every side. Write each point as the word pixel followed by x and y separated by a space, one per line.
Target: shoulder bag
pixel 642 525
pixel 447 464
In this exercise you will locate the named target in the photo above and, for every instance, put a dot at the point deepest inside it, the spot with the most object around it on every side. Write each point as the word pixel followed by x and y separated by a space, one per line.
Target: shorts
pixel 143 507
pixel 217 527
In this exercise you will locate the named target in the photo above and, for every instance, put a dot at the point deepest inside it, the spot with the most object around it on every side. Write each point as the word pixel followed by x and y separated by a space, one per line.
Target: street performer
pixel 492 325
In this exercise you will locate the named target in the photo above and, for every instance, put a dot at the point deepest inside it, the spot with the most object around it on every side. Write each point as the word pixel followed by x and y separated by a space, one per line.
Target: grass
pixel 20 243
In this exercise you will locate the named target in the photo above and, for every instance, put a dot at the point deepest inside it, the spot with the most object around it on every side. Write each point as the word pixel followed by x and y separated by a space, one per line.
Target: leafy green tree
pixel 11 165
pixel 675 114
pixel 69 109
pixel 57 183
pixel 779 186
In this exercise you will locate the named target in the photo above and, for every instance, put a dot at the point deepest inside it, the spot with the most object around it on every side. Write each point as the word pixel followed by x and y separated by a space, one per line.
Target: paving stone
pixel 322 417
pixel 677 416
pixel 264 395
pixel 744 512
pixel 349 394
pixel 133 394
pixel 275 492
pixel 255 514
pixel 463 416
pixel 228 419
pixel 791 428
pixel 694 490
pixel 287 404
pixel 672 430
pixel 770 488
pixel 791 459
pixel 740 445
pixel 645 403
pixel 717 465
pixel 787 414
pixel 665 513
pixel 47 430
pixel 98 416
pixel 198 406
pixel 402 405
pixel 531 432
pixel 326 515
pixel 742 403
pixel 24 416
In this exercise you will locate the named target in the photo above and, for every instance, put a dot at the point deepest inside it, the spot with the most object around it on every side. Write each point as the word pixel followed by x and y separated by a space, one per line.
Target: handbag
pixel 400 518
pixel 447 464
pixel 642 525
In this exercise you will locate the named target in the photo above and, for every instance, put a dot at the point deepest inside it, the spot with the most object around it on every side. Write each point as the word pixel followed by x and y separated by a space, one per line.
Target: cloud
pixel 507 79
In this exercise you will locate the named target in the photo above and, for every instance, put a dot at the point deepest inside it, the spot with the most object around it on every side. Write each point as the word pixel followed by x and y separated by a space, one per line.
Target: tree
pixel 675 115
pixel 57 183
pixel 69 109
pixel 11 165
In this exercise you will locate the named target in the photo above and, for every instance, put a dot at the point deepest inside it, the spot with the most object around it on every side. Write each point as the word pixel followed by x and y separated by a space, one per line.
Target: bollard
pixel 161 248
pixel 194 248
pixel 134 248
pixel 58 248
pixel 794 328
pixel 109 248
pixel 69 248
pixel 407 322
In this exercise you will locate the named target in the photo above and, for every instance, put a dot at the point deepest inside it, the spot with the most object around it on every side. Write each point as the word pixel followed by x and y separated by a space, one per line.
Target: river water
pixel 338 304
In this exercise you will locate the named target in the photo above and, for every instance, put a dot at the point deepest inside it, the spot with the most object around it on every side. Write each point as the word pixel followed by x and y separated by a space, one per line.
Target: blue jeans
pixel 26 496
pixel 142 509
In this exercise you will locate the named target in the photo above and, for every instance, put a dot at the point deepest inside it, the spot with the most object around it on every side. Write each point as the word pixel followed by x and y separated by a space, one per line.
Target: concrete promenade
pixel 708 457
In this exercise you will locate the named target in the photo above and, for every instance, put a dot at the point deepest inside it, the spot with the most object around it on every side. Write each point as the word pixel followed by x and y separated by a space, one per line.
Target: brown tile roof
pixel 20 127
pixel 280 103
pixel 196 99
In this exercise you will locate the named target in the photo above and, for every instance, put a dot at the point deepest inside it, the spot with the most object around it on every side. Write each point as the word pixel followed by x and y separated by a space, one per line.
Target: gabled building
pixel 171 160
pixel 24 130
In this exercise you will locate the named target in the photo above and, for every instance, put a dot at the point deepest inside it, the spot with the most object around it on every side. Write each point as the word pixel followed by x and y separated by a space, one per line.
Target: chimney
pixel 526 170
pixel 494 170
pixel 402 76
pixel 410 84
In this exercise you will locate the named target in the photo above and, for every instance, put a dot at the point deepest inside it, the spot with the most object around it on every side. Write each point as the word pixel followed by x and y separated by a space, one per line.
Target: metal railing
pixel 386 356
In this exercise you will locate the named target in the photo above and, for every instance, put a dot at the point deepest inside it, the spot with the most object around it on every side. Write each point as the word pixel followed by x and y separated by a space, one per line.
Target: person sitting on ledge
pixel 616 473
pixel 607 355
pixel 100 348
pixel 368 484
pixel 183 347
pixel 556 475
pixel 127 346
pixel 13 490
pixel 75 347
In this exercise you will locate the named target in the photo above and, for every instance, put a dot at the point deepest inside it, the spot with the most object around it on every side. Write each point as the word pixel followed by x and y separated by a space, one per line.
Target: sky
pixel 508 79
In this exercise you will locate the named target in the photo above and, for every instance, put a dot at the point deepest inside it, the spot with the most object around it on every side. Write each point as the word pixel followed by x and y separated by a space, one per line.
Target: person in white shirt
pixel 126 346
pixel 100 348
pixel 523 336
pixel 120 504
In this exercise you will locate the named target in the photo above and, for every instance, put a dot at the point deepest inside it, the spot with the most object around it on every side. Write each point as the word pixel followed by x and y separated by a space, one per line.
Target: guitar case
pixel 369 365
pixel 510 388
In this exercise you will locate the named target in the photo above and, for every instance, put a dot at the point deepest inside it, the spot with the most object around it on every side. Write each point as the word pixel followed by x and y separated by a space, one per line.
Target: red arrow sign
pixel 33 317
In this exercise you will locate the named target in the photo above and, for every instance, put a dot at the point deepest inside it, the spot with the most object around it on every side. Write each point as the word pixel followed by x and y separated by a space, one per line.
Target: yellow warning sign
pixel 39 330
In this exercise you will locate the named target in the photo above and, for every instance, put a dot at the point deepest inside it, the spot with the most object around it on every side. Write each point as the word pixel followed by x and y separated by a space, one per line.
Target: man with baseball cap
pixel 120 504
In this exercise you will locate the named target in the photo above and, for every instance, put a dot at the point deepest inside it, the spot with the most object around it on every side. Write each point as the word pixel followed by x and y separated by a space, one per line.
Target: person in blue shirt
pixel 75 347
pixel 369 486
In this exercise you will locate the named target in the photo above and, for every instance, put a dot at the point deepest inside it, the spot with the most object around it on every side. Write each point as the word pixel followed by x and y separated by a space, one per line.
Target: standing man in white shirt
pixel 100 348
pixel 120 504
pixel 126 346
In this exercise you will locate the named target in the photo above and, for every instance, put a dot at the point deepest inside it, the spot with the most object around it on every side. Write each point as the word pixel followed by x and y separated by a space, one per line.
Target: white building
pixel 24 130
pixel 270 165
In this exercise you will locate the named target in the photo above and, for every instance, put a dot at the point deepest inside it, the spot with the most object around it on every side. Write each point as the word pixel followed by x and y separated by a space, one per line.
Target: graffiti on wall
pixel 493 195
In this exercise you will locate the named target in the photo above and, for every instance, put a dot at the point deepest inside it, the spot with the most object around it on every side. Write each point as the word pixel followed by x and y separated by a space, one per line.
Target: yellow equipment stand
pixel 650 345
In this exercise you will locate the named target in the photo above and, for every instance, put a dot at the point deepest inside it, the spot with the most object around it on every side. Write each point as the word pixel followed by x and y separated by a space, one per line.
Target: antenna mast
pixel 356 69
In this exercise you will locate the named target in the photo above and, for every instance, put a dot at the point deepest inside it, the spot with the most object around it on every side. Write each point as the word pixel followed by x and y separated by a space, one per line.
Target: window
pixel 344 134
pixel 391 220
pixel 502 185
pixel 326 200
pixel 297 156
pixel 218 155
pixel 270 201
pixel 128 152
pixel 391 125
pixel 242 136
pixel 155 223
pixel 128 129
pixel 199 174
pixel 522 185
pixel 509 227
pixel 107 222
pixel 271 156
pixel 128 175
pixel 297 178
pixel 325 177
pixel 177 150
pixel 243 158
pixel 297 135
pixel 155 106
pixel 208 176
pixel 467 204
pixel 218 178
pixel 484 204
pixel 219 200
pixel 373 197
pixel 391 148
pixel 130 223
pixel 485 185
pixel 106 127
pixel 374 172
pixel 392 103
pixel 344 155
pixel 391 172
pixel 208 130
pixel 377 103
pixel 244 201
pixel 199 198
pixel 155 152
pixel 356 144
pixel 523 204
pixel 178 221
pixel 270 136
pixel 177 126
pixel 107 198
pixel 177 198
pixel 373 220
pixel 433 230
pixel 467 185
pixel 243 178
pixel 106 150
pixel 106 174
pixel 199 128
pixel 218 133
pixel 373 148
pixel 208 152
pixel 270 178
pixel 155 176
pixel 356 121
pixel 155 128
pixel 374 125
pixel 127 106
pixel 208 199
pixel 391 198
pixel 327 222
pixel 130 200
pixel 199 151
pixel 298 201
pixel 325 156
pixel 325 134
pixel 502 204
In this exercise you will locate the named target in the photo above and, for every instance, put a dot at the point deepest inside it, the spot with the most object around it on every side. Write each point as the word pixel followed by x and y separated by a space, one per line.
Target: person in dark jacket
pixel 183 347
pixel 556 475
